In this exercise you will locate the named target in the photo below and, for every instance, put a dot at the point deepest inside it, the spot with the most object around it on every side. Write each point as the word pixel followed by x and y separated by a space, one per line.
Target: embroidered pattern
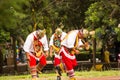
pixel 37 45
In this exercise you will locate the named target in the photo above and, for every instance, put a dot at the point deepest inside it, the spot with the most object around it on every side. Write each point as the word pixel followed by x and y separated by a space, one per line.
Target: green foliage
pixel 11 13
pixel 51 12
pixel 99 14
pixel 18 17
pixel 99 32
pixel 117 30
pixel 4 36
pixel 10 10
pixel 101 17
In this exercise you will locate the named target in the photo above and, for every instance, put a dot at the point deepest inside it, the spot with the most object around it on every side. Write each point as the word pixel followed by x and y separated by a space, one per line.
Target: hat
pixel 58 31
pixel 118 25
pixel 85 33
pixel 41 33
pixel 92 33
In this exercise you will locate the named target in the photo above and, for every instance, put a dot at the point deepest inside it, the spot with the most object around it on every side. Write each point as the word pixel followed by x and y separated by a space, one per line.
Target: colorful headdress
pixel 84 33
pixel 58 31
pixel 41 33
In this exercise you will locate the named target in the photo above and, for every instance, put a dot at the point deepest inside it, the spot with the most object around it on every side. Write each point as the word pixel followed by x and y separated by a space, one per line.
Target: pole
pixel 94 53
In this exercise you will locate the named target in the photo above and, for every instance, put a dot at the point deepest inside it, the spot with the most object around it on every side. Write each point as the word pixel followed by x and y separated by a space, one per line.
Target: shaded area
pixel 82 66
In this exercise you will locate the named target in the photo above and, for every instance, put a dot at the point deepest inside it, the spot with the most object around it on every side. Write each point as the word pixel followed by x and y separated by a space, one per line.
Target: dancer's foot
pixel 34 78
pixel 58 77
pixel 72 78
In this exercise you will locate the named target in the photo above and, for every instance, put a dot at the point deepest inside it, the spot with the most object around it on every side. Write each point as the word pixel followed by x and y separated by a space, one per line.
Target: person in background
pixel 69 46
pixel 21 54
pixel 17 55
pixel 107 58
pixel 36 49
pixel 55 44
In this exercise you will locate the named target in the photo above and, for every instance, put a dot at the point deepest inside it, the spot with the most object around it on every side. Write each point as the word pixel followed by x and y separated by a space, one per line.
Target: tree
pixel 101 17
pixel 10 15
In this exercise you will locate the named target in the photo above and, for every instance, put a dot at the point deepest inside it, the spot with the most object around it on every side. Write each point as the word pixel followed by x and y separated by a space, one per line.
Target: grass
pixel 98 73
pixel 52 76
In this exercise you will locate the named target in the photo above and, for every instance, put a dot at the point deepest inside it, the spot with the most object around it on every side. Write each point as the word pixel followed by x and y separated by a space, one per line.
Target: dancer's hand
pixel 87 46
pixel 51 54
pixel 27 56
pixel 77 51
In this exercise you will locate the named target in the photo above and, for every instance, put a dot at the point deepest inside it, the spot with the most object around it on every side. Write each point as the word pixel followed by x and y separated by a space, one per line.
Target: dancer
pixel 35 46
pixel 55 44
pixel 69 46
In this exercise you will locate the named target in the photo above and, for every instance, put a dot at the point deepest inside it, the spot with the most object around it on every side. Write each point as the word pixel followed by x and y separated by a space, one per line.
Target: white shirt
pixel 69 40
pixel 28 45
pixel 52 37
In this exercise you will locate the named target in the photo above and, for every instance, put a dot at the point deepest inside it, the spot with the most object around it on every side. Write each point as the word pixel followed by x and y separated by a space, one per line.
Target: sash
pixel 38 47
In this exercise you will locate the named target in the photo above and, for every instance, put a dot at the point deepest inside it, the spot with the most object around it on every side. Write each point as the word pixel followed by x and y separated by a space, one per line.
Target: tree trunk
pixel 1 60
pixel 21 40
pixel 14 51
pixel 94 53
